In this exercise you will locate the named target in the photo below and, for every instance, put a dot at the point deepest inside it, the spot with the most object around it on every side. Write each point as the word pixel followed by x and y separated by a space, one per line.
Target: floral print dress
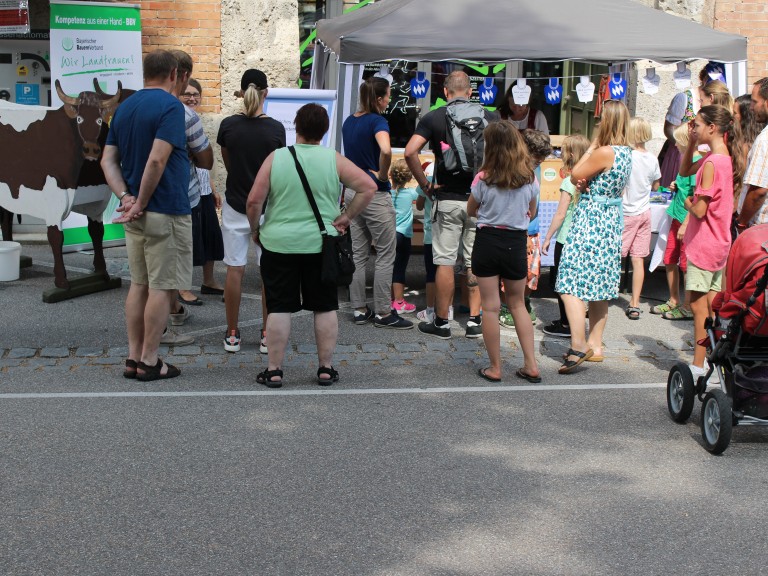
pixel 590 266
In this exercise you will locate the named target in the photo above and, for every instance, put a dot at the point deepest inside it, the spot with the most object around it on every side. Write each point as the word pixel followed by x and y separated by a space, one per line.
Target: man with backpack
pixel 455 135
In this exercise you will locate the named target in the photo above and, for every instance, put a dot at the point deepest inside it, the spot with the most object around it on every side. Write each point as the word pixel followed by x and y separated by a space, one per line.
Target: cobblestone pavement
pixel 66 336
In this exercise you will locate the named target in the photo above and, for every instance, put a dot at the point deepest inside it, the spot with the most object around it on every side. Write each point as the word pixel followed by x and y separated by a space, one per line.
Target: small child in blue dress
pixel 403 199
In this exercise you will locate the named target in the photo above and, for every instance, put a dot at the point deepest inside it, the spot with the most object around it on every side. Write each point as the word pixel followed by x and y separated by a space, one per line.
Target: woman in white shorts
pixel 246 139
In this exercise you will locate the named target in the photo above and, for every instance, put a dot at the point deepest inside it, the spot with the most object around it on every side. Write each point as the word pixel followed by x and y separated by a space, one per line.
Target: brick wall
pixel 748 18
pixel 195 27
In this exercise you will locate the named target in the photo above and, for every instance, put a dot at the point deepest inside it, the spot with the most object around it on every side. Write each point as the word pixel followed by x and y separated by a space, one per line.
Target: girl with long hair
pixel 708 236
pixel 503 199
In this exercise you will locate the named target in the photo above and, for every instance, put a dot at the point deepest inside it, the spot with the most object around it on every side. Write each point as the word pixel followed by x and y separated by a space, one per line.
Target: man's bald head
pixel 457 85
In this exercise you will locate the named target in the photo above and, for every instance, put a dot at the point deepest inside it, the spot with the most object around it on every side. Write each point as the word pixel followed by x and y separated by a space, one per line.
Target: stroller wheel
pixel 716 421
pixel 680 392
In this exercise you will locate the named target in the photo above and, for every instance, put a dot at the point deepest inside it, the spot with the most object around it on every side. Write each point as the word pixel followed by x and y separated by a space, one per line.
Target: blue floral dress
pixel 590 266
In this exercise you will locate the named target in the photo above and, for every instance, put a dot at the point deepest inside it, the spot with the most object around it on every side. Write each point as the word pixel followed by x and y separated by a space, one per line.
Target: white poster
pixel 95 40
pixel 282 104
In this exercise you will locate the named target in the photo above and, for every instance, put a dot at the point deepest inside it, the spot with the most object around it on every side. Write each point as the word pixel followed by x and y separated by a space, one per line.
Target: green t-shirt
pixel 569 188
pixel 289 225
pixel 685 187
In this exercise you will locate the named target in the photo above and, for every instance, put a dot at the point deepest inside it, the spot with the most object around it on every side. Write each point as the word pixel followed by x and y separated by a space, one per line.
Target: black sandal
pixel 153 372
pixel 333 376
pixel 266 376
pixel 569 366
pixel 130 369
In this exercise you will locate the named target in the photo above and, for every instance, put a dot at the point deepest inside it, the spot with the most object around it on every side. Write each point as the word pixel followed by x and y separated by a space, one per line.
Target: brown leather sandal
pixel 569 366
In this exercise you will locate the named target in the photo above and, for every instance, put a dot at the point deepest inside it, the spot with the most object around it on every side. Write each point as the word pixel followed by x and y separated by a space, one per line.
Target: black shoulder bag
pixel 337 266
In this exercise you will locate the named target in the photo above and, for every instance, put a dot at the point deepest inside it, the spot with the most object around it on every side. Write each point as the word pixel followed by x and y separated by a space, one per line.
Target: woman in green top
pixel 291 241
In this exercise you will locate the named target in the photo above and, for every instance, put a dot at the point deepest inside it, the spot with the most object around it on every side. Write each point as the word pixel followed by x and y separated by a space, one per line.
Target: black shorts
pixel 292 283
pixel 499 252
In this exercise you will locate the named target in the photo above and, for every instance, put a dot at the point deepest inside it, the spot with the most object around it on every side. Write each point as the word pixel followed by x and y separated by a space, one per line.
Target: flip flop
pixel 525 376
pixel 678 313
pixel 569 366
pixel 484 376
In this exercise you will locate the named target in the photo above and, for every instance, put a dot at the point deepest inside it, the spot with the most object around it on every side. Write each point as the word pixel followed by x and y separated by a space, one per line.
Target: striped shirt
pixel 757 172
pixel 197 141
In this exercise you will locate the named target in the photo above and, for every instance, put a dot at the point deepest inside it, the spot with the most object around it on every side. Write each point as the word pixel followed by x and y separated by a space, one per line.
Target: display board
pixel 283 103
pixel 94 41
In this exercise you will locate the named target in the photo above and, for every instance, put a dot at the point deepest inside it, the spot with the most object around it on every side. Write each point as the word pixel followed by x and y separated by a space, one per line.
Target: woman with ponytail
pixel 365 135
pixel 708 236
pixel 246 139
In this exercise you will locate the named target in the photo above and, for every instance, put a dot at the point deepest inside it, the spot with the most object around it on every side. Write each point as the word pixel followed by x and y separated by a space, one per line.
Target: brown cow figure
pixel 65 146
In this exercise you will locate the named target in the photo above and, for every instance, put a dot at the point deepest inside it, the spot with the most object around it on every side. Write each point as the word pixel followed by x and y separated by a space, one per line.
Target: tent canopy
pixel 603 31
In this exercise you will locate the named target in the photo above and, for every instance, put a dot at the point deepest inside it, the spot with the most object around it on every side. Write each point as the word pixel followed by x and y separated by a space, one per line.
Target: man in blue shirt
pixel 146 165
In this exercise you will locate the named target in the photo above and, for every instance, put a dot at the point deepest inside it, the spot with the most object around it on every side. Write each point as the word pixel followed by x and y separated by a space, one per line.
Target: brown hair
pixel 614 124
pixel 196 85
pixel 400 173
pixel 311 122
pixel 507 162
pixel 159 64
pixel 184 61
pixel 722 118
pixel 762 88
pixel 371 90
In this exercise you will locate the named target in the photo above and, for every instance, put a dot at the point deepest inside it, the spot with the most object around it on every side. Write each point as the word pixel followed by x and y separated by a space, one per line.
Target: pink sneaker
pixel 403 307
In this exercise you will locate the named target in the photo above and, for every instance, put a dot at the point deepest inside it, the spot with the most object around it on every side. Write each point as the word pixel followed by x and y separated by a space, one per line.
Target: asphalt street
pixel 410 465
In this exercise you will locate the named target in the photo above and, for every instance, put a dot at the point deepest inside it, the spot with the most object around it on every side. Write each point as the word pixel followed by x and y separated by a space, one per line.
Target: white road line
pixel 330 392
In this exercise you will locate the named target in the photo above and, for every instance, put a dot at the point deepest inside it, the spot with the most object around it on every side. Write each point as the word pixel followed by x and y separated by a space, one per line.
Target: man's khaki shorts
pixel 160 251
pixel 452 229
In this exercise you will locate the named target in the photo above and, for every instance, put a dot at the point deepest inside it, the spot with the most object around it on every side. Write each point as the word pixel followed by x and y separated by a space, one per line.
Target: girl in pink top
pixel 708 236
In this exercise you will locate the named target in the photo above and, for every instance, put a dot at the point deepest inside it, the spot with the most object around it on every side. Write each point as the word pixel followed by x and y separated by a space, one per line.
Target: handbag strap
pixel 308 190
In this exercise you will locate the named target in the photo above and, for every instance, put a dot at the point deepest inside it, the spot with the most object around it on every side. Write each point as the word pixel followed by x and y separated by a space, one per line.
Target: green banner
pixel 96 17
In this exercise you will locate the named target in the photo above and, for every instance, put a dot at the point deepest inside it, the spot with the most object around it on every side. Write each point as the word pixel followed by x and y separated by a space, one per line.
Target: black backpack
pixel 465 122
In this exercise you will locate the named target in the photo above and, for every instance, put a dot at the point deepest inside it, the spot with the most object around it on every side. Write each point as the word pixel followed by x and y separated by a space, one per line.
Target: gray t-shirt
pixel 503 208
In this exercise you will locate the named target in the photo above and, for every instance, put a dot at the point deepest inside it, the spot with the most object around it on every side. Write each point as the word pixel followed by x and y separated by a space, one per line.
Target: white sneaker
pixel 714 379
pixel 426 315
pixel 263 343
pixel 170 338
pixel 180 317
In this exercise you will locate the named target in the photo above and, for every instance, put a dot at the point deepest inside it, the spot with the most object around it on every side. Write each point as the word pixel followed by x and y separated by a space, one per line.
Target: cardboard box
pixel 550 179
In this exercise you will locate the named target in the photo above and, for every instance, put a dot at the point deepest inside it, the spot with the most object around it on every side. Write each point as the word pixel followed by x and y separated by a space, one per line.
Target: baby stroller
pixel 737 350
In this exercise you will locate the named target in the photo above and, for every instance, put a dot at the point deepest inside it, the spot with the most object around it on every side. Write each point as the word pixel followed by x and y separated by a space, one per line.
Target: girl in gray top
pixel 503 198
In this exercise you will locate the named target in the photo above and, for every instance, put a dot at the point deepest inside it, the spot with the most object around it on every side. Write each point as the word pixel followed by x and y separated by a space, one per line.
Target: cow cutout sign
pixel 55 166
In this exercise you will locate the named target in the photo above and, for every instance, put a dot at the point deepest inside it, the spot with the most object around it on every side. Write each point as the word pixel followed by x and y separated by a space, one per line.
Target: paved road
pixel 411 465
